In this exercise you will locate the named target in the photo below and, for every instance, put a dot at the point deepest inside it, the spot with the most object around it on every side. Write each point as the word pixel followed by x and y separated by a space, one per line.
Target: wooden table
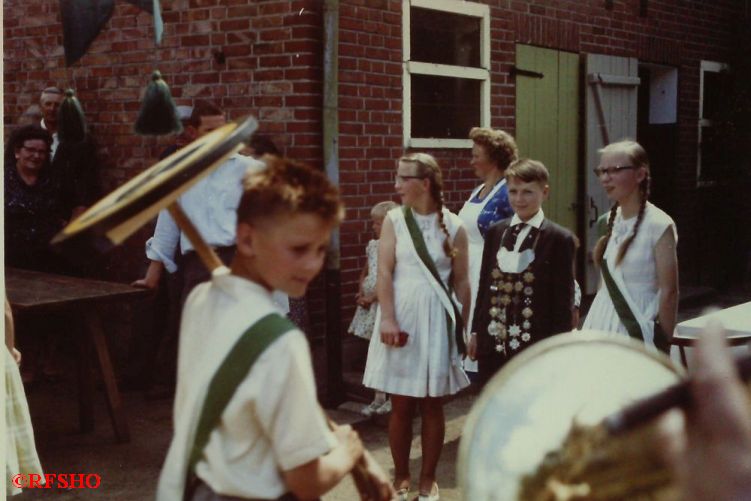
pixel 736 320
pixel 33 293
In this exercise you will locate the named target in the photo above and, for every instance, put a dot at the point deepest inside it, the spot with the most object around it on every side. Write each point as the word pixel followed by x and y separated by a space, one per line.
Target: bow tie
pixel 513 233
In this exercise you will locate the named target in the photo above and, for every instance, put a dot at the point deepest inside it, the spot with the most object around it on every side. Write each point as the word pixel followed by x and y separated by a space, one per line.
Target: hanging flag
pixel 82 22
pixel 153 8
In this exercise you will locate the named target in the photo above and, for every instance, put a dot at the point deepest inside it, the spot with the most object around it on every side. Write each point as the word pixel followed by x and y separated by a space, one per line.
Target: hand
pixel 472 346
pixel 711 458
pixel 153 275
pixel 144 283
pixel 16 355
pixel 366 300
pixel 389 332
pixel 349 438
pixel 378 481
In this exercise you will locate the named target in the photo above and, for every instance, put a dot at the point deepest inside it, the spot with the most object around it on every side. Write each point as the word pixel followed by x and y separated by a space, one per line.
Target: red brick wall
pixel 680 33
pixel 273 51
pixel 272 69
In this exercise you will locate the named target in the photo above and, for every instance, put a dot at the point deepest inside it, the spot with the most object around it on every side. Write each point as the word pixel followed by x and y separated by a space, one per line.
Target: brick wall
pixel 272 69
pixel 680 33
pixel 272 51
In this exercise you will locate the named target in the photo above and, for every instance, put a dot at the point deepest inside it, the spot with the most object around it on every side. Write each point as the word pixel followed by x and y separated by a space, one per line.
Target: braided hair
pixel 638 157
pixel 428 167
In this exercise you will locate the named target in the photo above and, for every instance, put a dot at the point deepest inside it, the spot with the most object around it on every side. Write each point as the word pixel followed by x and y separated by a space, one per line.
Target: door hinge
pixel 526 73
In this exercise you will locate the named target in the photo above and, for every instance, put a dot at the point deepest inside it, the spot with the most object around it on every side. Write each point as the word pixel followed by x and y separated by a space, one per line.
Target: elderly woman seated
pixel 35 209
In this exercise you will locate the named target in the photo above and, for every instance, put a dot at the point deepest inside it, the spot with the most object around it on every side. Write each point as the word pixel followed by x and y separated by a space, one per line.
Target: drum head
pixel 527 409
pixel 116 216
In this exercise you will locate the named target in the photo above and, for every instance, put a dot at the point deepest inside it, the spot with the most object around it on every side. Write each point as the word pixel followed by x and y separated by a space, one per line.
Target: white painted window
pixel 446 71
pixel 712 83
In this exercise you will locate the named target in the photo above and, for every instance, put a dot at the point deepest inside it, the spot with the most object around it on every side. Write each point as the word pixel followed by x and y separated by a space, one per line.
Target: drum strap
pixel 233 370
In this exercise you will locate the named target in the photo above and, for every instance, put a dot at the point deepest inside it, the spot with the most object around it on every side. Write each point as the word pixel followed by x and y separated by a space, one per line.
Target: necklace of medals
pixel 511 305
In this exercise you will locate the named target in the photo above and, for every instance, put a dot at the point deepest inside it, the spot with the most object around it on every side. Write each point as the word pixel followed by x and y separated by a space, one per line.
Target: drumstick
pixel 367 488
pixel 678 395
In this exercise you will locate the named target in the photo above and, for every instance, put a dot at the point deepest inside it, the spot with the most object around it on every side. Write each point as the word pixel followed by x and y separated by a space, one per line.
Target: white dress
pixel 638 271
pixel 364 319
pixel 429 364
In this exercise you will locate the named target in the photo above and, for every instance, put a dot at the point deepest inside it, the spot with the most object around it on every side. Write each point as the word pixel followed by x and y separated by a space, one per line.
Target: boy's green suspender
pixel 628 319
pixel 422 251
pixel 234 369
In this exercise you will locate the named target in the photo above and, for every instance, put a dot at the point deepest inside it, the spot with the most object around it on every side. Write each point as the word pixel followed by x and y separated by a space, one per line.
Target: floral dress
pixel 364 320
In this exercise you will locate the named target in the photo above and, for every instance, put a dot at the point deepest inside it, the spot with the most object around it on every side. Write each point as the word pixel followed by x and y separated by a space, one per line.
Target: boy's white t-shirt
pixel 273 422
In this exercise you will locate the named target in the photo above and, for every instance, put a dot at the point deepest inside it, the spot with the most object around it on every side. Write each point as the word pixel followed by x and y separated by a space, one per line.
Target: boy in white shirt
pixel 271 440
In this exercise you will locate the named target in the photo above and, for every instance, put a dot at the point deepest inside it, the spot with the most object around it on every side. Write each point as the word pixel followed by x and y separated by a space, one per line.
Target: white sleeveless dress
pixel 638 271
pixel 429 364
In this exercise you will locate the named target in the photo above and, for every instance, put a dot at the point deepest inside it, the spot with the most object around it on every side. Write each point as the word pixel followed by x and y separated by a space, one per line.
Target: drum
pixel 528 409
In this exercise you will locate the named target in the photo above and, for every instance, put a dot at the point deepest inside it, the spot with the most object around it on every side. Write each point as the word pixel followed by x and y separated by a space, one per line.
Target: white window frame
pixel 706 67
pixel 421 68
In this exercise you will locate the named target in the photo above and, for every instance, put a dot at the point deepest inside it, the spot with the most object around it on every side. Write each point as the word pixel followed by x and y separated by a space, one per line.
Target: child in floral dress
pixel 367 302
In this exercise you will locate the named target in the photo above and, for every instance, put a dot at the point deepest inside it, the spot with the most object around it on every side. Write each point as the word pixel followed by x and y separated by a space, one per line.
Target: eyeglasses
pixel 36 151
pixel 401 179
pixel 610 171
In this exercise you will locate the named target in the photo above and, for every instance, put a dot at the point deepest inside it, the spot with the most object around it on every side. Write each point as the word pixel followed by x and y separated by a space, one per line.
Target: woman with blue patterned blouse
pixel 492 152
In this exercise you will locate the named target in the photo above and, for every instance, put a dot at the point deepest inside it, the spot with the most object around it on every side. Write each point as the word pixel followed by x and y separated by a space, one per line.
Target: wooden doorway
pixel 547 123
pixel 610 115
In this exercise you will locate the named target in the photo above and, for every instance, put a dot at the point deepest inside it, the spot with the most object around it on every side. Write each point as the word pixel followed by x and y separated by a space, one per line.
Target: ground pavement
pixel 130 471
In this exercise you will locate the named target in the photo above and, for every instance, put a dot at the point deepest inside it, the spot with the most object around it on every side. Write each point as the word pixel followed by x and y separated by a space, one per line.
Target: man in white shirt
pixel 49 104
pixel 211 205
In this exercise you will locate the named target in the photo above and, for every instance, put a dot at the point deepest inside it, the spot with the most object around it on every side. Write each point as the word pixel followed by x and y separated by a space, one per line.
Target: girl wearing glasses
pixel 636 253
pixel 415 353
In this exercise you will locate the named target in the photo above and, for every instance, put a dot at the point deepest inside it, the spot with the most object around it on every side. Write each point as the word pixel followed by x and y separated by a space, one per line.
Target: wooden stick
pixel 363 482
pixel 204 251
pixel 678 395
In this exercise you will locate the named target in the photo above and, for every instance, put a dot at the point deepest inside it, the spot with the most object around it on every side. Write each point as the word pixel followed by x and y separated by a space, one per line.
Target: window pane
pixel 713 160
pixel 715 85
pixel 444 107
pixel 444 38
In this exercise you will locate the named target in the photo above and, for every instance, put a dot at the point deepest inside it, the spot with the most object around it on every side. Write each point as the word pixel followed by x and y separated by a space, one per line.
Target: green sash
pixel 231 373
pixel 627 317
pixel 422 252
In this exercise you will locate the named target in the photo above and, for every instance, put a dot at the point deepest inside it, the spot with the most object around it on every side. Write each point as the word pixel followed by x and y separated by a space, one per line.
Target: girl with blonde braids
pixel 415 353
pixel 636 254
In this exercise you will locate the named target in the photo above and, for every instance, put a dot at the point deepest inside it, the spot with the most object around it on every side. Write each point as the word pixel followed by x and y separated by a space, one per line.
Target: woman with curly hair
pixel 415 352
pixel 492 152
pixel 636 253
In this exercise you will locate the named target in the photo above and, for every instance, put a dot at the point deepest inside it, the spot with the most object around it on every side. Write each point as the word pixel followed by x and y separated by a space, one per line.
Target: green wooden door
pixel 547 123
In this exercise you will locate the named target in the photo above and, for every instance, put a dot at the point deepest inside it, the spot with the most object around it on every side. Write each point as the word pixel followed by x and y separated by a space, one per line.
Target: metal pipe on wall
pixel 333 276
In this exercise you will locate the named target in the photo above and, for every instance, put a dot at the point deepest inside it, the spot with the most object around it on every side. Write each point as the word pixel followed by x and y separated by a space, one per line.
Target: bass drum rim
pixel 511 369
